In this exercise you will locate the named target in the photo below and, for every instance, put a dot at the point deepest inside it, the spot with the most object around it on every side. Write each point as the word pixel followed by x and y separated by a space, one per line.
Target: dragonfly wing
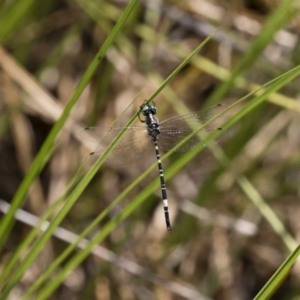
pixel 170 139
pixel 201 116
pixel 106 134
pixel 134 144
pixel 174 130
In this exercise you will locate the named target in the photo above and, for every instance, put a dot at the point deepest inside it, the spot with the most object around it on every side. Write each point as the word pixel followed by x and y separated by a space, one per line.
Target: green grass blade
pixel 215 70
pixel 271 286
pixel 13 262
pixel 10 20
pixel 178 69
pixel 280 17
pixel 258 201
pixel 36 166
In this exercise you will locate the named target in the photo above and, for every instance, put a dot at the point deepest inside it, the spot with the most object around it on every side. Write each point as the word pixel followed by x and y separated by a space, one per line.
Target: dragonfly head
pixel 147 109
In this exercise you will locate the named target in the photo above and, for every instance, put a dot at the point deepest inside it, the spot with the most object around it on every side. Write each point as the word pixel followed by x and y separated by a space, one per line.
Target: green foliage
pixel 118 50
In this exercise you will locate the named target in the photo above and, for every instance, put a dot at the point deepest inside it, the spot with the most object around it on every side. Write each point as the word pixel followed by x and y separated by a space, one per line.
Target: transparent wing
pixel 174 130
pixel 134 144
pixel 107 134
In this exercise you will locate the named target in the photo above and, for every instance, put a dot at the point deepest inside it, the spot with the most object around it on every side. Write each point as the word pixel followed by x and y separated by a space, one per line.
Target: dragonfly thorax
pixel 152 126
pixel 149 111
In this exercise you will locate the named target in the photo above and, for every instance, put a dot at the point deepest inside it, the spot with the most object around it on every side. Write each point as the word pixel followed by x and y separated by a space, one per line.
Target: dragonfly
pixel 179 133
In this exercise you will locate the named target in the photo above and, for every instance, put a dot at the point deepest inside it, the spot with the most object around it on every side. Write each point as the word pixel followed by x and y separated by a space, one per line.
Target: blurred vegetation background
pixel 234 209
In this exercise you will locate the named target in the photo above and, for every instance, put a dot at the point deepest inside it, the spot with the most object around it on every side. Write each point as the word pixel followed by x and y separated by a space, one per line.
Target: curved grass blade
pixel 272 285
pixel 280 16
pixel 38 163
